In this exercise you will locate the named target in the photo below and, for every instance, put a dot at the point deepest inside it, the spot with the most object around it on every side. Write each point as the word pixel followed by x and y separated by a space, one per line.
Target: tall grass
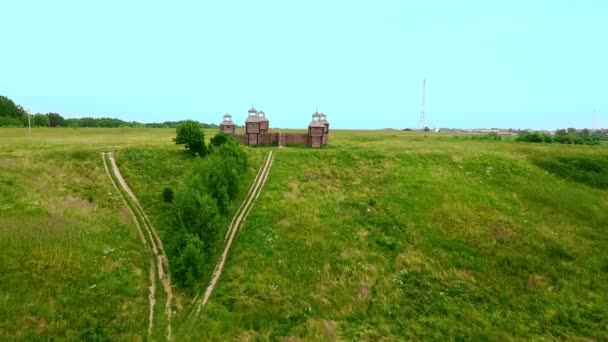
pixel 72 267
pixel 590 170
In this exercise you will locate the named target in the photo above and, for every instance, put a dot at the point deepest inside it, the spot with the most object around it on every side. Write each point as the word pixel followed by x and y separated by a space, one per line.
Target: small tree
pixel 56 120
pixel 191 135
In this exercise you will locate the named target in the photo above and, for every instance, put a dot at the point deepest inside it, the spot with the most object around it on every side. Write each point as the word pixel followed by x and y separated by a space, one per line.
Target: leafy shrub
pixel 196 212
pixel 534 137
pixel 233 165
pixel 190 265
pixel 578 137
pixel 213 181
pixel 220 139
pixel 571 138
pixel 168 195
pixel 562 139
pixel 7 121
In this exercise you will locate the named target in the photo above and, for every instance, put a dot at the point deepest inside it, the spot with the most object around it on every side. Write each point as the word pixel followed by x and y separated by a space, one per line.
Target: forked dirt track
pixel 236 223
pixel 161 264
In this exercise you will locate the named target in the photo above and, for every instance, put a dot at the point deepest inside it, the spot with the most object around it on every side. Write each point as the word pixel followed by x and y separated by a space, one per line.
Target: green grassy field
pixel 383 235
pixel 72 266
pixel 400 236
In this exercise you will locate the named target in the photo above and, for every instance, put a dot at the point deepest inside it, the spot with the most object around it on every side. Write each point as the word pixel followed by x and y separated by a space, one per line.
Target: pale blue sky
pixel 526 64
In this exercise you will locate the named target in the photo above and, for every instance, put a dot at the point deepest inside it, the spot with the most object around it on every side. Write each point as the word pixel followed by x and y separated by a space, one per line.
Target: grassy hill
pixel 382 235
pixel 395 235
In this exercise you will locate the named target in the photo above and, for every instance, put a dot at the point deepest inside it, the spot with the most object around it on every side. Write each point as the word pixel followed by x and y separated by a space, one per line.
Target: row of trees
pixel 13 115
pixel 201 202
pixel 566 136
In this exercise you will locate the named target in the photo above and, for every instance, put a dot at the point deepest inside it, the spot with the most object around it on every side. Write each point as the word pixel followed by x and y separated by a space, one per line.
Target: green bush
pixel 168 195
pixel 578 137
pixel 190 265
pixel 7 121
pixel 209 178
pixel 220 139
pixel 534 137
pixel 196 211
pixel 233 165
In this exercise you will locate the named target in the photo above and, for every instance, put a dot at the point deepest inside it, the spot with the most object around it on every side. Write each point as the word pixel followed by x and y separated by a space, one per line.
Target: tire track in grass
pixel 237 221
pixel 255 181
pixel 152 274
pixel 162 264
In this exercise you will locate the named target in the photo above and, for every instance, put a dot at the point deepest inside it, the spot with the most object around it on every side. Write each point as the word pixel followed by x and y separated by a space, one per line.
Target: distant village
pixel 498 131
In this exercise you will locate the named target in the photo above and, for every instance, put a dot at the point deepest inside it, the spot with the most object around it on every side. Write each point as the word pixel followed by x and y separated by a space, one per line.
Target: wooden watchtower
pixel 252 127
pixel 316 131
pixel 264 124
pixel 227 125
pixel 323 119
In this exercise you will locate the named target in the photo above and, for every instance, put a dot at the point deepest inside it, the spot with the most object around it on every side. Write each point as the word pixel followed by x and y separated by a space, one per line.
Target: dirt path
pixel 152 287
pixel 237 221
pixel 257 176
pixel 162 264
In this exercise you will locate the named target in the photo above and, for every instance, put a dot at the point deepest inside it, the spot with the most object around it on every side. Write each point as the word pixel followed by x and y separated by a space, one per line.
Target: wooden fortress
pixel 257 131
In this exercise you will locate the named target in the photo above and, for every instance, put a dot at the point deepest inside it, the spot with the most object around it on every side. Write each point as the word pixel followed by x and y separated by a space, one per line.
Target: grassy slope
pixel 72 264
pixel 394 236
pixel 382 234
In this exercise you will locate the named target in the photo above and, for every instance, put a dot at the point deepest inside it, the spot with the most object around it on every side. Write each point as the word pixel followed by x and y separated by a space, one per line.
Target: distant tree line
pixel 13 115
pixel 566 136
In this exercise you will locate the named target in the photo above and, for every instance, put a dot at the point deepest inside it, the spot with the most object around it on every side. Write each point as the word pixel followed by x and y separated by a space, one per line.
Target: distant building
pixel 323 119
pixel 264 124
pixel 316 131
pixel 506 132
pixel 227 125
pixel 252 127
pixel 485 130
